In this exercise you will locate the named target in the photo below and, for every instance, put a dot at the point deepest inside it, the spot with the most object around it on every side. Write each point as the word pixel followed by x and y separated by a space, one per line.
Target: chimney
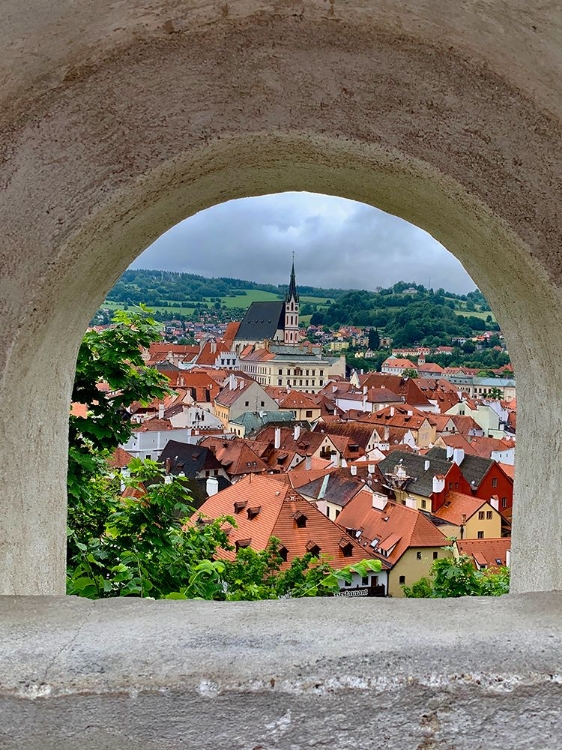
pixel 411 503
pixel 297 432
pixel 379 501
pixel 364 390
pixel 241 384
pixel 160 411
pixel 392 411
pixel 277 442
pixel 426 464
pixel 495 503
pixel 213 346
pixel 449 452
pixel 308 462
pixel 410 413
pixel 386 434
pixel 438 484
pixel 353 470
pixel 458 456
pixel 507 558
pixel 371 469
pixel 212 486
pixel 463 524
pixel 232 381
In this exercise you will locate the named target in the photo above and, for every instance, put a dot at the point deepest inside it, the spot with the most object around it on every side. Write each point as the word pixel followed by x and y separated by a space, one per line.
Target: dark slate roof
pixel 414 466
pixel 262 321
pixel 338 487
pixel 473 468
pixel 187 458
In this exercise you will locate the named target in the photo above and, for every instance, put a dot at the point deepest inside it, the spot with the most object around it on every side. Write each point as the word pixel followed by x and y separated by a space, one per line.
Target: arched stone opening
pixel 116 143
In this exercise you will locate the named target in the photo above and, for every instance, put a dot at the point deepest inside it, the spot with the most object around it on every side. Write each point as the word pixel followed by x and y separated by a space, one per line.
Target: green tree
pixel 110 376
pixel 409 372
pixel 454 577
pixel 374 339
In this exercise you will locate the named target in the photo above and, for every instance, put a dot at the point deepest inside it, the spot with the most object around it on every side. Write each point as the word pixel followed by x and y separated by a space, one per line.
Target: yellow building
pixel 402 535
pixel 468 517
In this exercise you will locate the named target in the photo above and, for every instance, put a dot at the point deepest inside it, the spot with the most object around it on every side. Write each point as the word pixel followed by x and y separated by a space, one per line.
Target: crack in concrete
pixel 66 646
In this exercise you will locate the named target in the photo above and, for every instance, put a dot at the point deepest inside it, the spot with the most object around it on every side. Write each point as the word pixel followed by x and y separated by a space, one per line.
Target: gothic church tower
pixel 292 333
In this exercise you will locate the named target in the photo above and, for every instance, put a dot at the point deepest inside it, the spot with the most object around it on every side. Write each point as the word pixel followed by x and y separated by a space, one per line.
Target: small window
pixel 480 515
pixel 435 555
pixel 337 513
pixel 246 403
pixel 309 413
pixel 418 556
pixel 494 482
pixel 365 581
pixel 423 504
pixel 314 549
pixel 450 485
pixel 489 515
pixel 300 519
pixel 347 550
pixel 504 502
pixel 262 403
pixel 480 535
pixel 283 552
pixel 402 580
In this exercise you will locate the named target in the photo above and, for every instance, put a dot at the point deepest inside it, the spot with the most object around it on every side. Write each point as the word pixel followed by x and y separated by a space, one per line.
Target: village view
pixel 231 440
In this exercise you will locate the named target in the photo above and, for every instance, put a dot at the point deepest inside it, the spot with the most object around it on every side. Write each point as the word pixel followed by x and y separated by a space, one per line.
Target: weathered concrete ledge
pixel 289 675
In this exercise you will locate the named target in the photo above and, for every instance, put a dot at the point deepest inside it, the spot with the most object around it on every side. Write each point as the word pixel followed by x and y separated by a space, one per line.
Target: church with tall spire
pixel 276 321
pixel 292 332
pixel 270 350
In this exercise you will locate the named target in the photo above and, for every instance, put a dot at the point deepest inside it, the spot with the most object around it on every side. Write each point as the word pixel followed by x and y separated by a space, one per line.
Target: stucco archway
pixel 117 123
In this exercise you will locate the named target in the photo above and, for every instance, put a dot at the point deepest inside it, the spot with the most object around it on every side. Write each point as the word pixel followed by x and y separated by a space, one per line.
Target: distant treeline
pixel 156 287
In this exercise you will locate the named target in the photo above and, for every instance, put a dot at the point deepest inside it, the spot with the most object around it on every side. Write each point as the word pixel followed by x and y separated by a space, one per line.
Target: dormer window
pixel 300 519
pixel 346 547
pixel 242 543
pixel 283 552
pixel 239 505
pixel 313 548
pixel 253 512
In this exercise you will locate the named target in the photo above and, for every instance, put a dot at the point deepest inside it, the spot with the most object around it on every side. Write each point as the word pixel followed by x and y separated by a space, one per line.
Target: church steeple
pixel 292 333
pixel 292 293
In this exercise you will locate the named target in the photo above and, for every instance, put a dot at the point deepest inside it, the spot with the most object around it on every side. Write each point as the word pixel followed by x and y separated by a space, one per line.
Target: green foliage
pixel 374 339
pixel 409 372
pixel 454 577
pixel 113 357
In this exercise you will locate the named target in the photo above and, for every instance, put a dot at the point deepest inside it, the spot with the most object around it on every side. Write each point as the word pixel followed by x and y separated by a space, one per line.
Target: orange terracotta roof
pixel 278 507
pixel 79 410
pixel 410 526
pixel 297 400
pixel 508 469
pixel 237 455
pixel 457 505
pixel 119 459
pixel 486 551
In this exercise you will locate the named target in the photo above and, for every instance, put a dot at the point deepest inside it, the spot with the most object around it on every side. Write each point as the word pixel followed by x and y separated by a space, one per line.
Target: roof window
pixel 253 512
pixel 239 505
pixel 300 519
pixel 313 548
pixel 242 543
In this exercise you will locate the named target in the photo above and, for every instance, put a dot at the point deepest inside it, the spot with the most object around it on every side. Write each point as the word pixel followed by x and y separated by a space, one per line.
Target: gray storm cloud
pixel 338 243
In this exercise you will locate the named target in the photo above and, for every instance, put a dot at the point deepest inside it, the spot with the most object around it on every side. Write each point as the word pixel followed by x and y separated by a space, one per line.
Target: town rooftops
pixel 395 527
pixel 264 507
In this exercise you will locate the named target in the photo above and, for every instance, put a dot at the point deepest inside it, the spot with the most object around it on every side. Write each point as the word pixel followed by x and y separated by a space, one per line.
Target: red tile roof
pixel 486 551
pixel 458 506
pixel 278 505
pixel 396 522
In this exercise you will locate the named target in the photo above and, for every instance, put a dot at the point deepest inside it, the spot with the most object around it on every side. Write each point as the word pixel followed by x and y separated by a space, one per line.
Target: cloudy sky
pixel 338 243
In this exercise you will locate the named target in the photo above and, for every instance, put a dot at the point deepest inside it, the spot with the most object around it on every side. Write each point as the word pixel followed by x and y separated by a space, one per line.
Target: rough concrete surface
pixel 462 674
pixel 117 120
